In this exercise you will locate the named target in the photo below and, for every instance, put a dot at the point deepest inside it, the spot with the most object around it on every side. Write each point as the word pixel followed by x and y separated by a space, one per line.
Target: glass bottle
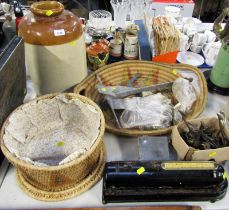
pixel 9 28
pixel 18 13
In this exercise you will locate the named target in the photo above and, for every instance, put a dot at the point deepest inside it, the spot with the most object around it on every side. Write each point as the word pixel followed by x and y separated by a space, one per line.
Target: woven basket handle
pixel 80 90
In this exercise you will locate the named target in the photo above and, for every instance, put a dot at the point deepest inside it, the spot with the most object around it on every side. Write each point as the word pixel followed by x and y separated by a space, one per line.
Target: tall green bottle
pixel 220 73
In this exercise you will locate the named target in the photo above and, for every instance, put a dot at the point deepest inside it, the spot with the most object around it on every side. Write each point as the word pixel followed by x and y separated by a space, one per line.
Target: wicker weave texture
pixel 149 73
pixel 89 181
pixel 62 177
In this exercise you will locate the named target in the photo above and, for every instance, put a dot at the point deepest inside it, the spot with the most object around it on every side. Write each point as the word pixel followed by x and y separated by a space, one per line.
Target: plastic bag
pixel 185 94
pixel 154 111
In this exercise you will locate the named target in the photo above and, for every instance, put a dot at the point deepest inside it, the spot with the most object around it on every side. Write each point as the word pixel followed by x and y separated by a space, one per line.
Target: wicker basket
pixel 63 177
pixel 151 73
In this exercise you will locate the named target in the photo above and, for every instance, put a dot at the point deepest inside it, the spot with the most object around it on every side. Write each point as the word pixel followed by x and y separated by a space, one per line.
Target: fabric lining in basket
pixel 64 177
pixel 52 131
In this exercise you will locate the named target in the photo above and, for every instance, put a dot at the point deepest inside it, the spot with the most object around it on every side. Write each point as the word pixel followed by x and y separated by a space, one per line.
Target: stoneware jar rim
pixel 41 8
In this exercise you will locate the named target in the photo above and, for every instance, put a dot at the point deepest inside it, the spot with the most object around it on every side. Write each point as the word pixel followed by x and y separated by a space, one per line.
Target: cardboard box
pixel 186 6
pixel 185 152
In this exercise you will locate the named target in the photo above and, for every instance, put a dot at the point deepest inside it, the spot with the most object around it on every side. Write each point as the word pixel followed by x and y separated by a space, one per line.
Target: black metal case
pixel 12 78
pixel 135 181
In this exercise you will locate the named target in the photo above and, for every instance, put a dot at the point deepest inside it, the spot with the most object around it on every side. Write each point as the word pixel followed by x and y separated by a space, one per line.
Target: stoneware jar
pixel 54 47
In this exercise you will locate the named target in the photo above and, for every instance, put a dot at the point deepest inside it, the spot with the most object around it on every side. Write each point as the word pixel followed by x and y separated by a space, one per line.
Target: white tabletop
pixel 12 197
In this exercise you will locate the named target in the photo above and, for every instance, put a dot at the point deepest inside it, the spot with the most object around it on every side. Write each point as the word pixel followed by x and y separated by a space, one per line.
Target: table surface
pixel 136 208
pixel 12 197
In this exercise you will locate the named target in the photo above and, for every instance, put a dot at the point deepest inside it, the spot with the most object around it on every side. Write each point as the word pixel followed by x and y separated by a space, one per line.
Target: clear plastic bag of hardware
pixel 153 111
pixel 185 94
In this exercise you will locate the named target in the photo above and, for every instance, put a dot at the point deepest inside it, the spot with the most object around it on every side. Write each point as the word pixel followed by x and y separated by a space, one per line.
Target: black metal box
pixel 137 181
pixel 12 78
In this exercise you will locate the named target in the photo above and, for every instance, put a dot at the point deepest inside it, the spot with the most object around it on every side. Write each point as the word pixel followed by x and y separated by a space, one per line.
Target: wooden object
pixel 137 208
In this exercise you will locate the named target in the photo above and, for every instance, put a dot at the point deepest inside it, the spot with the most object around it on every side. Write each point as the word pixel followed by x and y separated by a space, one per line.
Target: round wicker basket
pixel 89 181
pixel 62 177
pixel 121 73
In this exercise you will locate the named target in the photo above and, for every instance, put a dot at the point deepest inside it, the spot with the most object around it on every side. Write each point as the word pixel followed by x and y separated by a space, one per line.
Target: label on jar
pixel 59 32
pixel 131 47
pixel 131 51
pixel 116 47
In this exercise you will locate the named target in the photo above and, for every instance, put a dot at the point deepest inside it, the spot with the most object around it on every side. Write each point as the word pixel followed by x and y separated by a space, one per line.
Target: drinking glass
pixel 120 8
pixel 137 9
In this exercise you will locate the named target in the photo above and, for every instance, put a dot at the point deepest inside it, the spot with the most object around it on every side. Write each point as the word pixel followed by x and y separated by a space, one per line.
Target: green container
pixel 220 72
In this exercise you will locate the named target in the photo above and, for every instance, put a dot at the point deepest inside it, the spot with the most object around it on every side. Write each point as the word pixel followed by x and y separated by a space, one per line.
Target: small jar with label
pixel 116 47
pixel 131 47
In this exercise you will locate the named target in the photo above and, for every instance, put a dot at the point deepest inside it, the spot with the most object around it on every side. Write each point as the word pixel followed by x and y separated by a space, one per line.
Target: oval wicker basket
pixel 151 73
pixel 62 177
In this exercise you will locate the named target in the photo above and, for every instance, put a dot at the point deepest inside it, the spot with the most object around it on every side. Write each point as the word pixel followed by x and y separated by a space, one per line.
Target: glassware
pixel 100 19
pixel 137 9
pixel 173 12
pixel 153 148
pixel 9 28
pixel 121 8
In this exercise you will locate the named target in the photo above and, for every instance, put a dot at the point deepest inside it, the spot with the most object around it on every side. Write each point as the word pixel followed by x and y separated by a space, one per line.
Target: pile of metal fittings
pixel 206 137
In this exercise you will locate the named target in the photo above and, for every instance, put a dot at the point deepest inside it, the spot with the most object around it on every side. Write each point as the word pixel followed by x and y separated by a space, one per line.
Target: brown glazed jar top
pixel 49 24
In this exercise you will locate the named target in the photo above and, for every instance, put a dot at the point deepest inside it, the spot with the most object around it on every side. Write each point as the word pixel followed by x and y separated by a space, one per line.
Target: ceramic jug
pixel 220 72
pixel 98 54
pixel 54 47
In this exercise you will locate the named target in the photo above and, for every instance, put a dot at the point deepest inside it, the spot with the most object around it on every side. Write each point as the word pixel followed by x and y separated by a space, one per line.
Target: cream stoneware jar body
pixel 54 47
